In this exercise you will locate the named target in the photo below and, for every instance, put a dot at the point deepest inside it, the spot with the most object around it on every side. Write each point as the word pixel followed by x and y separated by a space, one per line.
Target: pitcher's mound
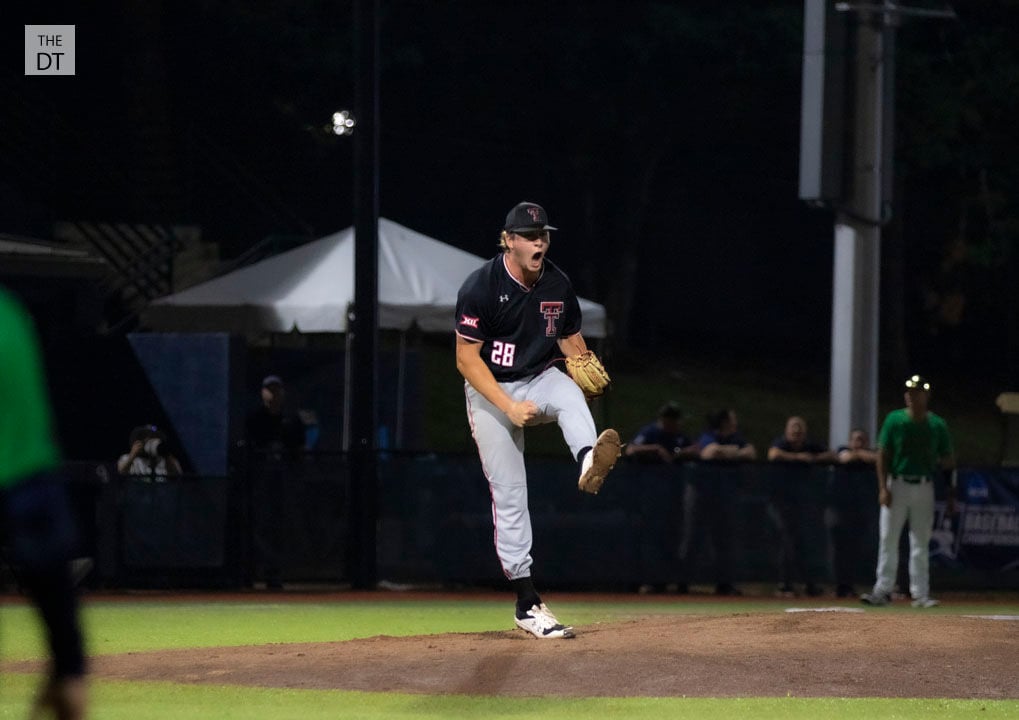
pixel 807 654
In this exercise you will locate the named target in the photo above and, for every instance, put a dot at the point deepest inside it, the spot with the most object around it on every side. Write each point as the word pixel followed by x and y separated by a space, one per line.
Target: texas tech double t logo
pixel 551 312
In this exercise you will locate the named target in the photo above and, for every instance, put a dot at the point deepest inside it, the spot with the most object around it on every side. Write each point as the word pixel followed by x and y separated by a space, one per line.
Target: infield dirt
pixel 808 654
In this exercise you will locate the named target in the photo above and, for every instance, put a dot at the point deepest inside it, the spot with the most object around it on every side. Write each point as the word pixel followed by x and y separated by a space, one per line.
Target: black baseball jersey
pixel 519 328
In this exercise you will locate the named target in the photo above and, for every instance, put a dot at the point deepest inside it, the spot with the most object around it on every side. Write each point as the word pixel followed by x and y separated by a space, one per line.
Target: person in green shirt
pixel 914 447
pixel 36 524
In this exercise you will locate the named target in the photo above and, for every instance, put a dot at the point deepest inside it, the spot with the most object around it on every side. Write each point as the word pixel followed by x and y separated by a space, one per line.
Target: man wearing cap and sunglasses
pixel 517 316
pixel 913 448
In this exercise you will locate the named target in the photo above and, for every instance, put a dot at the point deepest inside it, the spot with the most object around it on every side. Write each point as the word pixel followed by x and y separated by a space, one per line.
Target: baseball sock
pixel 526 595
pixel 580 455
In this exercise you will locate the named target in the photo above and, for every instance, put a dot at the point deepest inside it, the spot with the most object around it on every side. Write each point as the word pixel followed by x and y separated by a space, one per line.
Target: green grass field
pixel 763 397
pixel 126 626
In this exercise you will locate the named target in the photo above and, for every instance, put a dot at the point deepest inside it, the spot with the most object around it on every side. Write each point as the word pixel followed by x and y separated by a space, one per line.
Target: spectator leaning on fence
pixel 858 450
pixel 795 445
pixel 708 503
pixel 846 514
pixel 663 441
pixel 723 440
pixel 791 507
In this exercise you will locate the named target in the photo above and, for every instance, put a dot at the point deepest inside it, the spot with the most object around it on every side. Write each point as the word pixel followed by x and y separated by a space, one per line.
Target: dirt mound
pixel 809 654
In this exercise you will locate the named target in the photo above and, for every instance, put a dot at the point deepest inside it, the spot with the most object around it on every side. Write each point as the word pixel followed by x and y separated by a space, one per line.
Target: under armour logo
pixel 503 298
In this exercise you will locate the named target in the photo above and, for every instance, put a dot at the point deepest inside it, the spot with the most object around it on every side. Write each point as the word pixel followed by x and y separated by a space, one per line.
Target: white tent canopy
pixel 310 288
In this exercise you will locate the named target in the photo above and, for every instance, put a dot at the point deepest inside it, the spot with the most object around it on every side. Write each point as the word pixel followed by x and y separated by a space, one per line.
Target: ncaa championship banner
pixel 985 533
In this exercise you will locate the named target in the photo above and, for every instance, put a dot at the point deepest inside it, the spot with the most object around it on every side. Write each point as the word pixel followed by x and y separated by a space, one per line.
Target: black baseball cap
pixel 142 432
pixel 917 382
pixel 527 216
pixel 671 410
pixel 271 380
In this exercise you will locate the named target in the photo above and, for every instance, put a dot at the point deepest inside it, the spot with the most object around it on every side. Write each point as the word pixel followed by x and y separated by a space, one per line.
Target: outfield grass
pixel 166 701
pixel 117 627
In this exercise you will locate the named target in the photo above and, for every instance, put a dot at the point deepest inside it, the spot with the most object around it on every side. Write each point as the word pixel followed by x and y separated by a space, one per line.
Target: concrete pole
pixel 857 264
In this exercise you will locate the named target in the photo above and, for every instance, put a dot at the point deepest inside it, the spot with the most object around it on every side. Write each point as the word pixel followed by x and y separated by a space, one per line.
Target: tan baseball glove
pixel 588 372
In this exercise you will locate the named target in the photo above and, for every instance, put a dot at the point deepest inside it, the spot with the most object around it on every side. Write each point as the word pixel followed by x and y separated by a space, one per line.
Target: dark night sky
pixel 209 113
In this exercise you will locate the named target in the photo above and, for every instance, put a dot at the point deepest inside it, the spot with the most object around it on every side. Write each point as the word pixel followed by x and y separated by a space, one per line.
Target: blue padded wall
pixel 191 375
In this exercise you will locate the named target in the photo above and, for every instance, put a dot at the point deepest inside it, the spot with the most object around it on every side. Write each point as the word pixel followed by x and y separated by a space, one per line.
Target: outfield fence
pixel 694 522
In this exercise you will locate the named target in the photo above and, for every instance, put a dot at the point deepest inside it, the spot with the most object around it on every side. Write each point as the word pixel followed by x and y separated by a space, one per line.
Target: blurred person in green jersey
pixel 36 524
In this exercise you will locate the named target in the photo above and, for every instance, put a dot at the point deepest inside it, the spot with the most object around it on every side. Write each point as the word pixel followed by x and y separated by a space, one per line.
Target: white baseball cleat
pixel 598 461
pixel 925 602
pixel 540 622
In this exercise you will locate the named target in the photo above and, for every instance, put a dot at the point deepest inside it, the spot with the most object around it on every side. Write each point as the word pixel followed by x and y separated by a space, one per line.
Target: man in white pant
pixel 914 446
pixel 517 319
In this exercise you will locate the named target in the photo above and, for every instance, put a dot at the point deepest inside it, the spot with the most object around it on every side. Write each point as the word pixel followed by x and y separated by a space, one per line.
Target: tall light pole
pixel 857 267
pixel 363 321
pixel 863 208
